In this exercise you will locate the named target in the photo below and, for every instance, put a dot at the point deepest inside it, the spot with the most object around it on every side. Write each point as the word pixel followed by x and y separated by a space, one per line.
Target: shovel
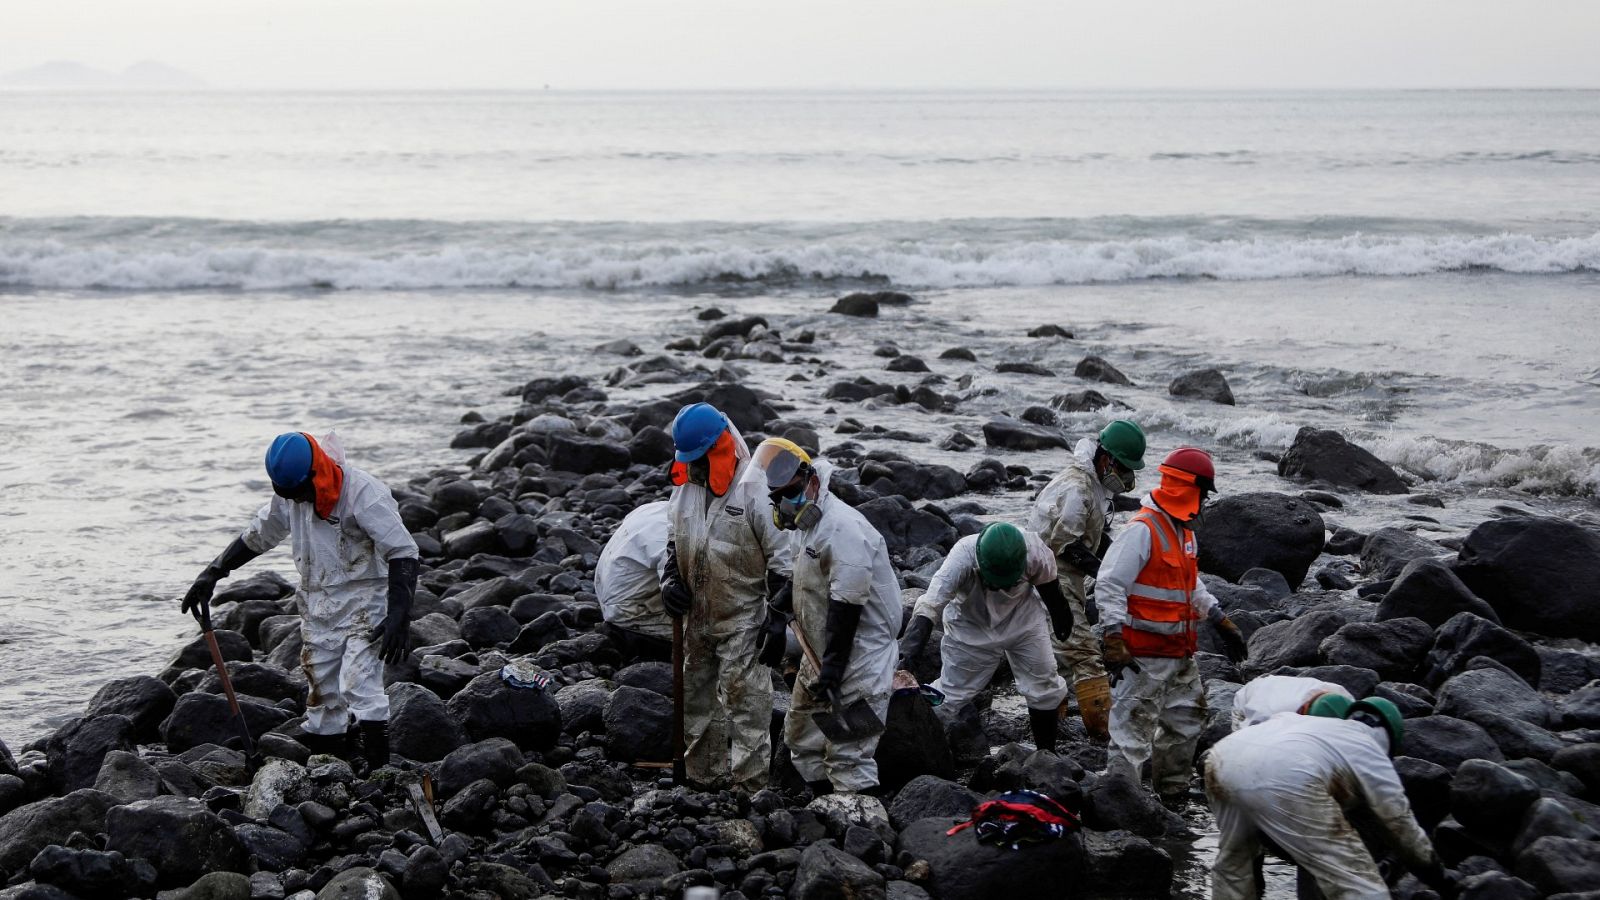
pixel 678 775
pixel 252 760
pixel 843 723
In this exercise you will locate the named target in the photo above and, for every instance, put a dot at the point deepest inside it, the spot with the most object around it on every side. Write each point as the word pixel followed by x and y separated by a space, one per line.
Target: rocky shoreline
pixel 1485 640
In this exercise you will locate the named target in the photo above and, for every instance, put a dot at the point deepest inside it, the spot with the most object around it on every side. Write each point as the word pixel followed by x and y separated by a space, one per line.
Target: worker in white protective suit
pixel 725 556
pixel 845 599
pixel 1151 602
pixel 1269 695
pixel 1292 779
pixel 627 581
pixel 998 597
pixel 1070 515
pixel 358 575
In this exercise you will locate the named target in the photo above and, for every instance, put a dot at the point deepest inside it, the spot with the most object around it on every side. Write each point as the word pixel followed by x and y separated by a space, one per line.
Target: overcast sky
pixel 827 43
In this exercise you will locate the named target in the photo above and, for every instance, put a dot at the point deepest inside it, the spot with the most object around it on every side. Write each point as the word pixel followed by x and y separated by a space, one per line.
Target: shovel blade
pixel 833 728
pixel 855 722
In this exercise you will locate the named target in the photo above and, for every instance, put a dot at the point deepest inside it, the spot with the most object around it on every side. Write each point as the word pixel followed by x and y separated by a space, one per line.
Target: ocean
pixel 183 276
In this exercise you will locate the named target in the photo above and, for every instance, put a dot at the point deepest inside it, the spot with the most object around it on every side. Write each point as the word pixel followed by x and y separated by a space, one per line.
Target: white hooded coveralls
pixel 843 559
pixel 726 545
pixel 1072 509
pixel 983 625
pixel 344 590
pixel 627 579
pixel 1157 713
pixel 1290 778
pixel 1269 695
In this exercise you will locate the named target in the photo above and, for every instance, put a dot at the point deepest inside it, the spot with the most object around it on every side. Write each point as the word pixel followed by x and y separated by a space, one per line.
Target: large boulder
pixel 1130 864
pixel 1318 455
pixel 1386 552
pixel 638 725
pixel 144 699
pixel 1241 532
pixel 1538 572
pixel 1448 741
pixel 197 653
pixel 904 527
pixel 358 883
pixel 913 743
pixel 743 406
pixel 77 748
pixel 1466 637
pixel 28 829
pixel 278 782
pixel 1427 589
pixel 644 865
pixel 961 868
pixel 827 873
pixel 126 777
pixel 1489 798
pixel 420 725
pixel 1094 368
pixel 489 707
pixel 930 795
pixel 912 479
pixel 1116 802
pixel 179 836
pixel 92 873
pixel 1561 865
pixel 495 759
pixel 585 456
pixel 1492 690
pixel 1015 434
pixel 1203 384
pixel 1394 648
pixel 1293 642
pixel 200 718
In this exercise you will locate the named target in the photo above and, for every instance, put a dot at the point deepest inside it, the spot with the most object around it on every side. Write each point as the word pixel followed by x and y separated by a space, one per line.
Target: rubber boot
pixel 1043 723
pixel 820 788
pixel 1094 705
pixel 325 744
pixel 375 743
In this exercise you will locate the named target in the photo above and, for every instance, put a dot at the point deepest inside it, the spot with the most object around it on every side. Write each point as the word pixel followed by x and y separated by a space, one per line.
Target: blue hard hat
pixel 289 460
pixel 695 429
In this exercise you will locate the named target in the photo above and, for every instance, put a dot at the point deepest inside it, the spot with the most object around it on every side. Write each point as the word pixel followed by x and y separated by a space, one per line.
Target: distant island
pixel 62 75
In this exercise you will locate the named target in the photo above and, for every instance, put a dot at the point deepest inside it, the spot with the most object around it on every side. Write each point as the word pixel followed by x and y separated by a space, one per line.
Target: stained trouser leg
pixel 1077 657
pixel 745 689
pixel 327 714
pixel 1182 718
pixel 1135 712
pixel 706 759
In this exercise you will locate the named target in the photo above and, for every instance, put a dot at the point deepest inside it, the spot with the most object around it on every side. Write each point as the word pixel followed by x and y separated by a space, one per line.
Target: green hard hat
pixel 1330 706
pixel 1002 555
pixel 1393 721
pixel 1124 440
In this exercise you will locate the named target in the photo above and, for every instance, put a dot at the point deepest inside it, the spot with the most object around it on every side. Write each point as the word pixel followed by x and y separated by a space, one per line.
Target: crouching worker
pixel 1270 695
pixel 627 581
pixel 358 574
pixel 845 601
pixel 1291 779
pixel 993 591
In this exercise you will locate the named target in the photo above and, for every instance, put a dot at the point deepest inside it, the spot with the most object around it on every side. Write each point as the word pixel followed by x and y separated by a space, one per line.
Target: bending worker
pixel 993 591
pixel 627 581
pixel 846 603
pixel 1151 602
pixel 1291 779
pixel 358 574
pixel 1070 515
pixel 1269 695
pixel 721 545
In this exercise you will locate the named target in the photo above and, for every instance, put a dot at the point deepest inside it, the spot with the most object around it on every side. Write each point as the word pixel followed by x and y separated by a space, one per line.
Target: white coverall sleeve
pixel 379 517
pixel 268 527
pixel 1205 602
pixel 1061 519
pixel 1123 563
pixel 944 584
pixel 1386 798
pixel 1041 560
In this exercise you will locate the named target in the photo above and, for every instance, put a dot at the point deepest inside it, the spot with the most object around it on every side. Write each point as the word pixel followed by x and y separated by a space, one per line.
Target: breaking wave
pixel 723 259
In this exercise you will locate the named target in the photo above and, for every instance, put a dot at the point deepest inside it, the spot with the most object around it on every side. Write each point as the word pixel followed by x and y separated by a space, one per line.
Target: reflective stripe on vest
pixel 1161 613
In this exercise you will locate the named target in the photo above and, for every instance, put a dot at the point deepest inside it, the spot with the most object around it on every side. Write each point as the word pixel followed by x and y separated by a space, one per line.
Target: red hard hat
pixel 1193 460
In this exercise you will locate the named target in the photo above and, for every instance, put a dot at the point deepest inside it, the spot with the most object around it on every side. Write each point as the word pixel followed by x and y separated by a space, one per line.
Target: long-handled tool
pixel 252 762
pixel 678 776
pixel 843 723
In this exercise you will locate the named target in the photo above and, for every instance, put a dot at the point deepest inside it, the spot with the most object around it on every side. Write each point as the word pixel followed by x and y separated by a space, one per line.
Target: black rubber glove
pixel 915 640
pixel 1080 557
pixel 772 640
pixel 1091 610
pixel 395 627
pixel 197 601
pixel 1060 611
pixel 843 620
pixel 675 595
pixel 1233 642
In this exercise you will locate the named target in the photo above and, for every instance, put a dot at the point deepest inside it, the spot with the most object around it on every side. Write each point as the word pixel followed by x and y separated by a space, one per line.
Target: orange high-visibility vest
pixel 1161 614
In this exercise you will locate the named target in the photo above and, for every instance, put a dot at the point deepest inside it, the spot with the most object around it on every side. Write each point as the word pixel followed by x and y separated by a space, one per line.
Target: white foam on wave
pixel 659 263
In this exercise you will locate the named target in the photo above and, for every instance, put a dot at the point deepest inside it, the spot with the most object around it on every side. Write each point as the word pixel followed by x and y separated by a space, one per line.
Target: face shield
pixel 792 484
